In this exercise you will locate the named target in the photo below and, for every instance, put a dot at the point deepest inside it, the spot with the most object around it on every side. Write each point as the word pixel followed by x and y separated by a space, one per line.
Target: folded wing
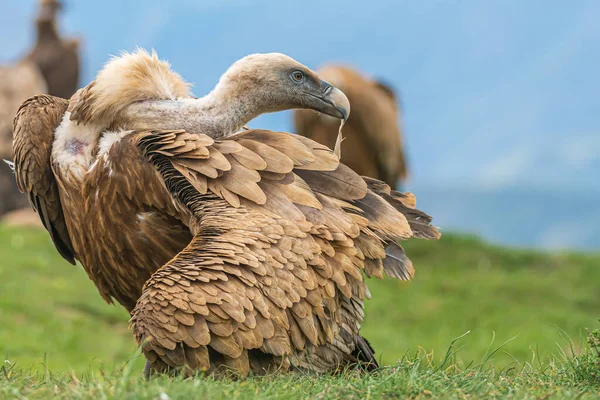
pixel 33 131
pixel 273 276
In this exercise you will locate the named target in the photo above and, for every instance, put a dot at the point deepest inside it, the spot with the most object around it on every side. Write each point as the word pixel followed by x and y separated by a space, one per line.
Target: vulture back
pixel 372 145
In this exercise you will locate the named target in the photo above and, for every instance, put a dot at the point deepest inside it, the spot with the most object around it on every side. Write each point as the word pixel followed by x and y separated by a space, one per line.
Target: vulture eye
pixel 297 76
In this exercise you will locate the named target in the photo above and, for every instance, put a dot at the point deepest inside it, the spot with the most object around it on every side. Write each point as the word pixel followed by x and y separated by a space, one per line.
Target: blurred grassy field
pixel 50 311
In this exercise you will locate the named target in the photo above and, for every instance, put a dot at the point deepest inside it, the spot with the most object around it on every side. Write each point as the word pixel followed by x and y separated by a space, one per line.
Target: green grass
pixel 412 377
pixel 60 339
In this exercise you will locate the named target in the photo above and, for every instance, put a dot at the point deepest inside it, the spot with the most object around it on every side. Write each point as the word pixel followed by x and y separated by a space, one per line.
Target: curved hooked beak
pixel 331 101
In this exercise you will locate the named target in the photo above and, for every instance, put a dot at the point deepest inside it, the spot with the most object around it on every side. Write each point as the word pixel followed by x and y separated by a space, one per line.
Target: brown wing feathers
pixel 283 233
pixel 33 129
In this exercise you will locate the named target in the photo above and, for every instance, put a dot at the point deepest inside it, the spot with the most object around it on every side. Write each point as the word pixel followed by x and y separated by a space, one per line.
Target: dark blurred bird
pixel 373 134
pixel 230 249
pixel 56 57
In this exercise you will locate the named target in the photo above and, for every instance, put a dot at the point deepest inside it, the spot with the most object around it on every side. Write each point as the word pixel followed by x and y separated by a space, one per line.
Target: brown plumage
pixel 373 135
pixel 32 151
pixel 241 250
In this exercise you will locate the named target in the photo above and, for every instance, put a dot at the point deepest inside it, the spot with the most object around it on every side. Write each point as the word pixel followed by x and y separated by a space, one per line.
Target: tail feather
pixel 365 354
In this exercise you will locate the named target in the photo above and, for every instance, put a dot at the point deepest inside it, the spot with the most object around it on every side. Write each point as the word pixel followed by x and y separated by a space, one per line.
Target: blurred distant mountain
pixel 496 95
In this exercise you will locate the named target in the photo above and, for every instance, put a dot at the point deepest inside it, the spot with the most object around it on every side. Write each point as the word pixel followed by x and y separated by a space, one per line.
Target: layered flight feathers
pixel 283 235
pixel 33 130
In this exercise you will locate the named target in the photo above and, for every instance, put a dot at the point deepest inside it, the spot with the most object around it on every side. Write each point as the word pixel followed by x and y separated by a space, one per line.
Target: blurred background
pixel 500 98
pixel 500 122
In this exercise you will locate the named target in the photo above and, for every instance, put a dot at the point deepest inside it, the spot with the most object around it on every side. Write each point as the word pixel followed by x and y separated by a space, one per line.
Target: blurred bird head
pixel 49 9
pixel 283 83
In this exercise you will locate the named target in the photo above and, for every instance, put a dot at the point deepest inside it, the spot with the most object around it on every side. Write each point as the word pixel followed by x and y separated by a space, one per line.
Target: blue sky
pixel 496 94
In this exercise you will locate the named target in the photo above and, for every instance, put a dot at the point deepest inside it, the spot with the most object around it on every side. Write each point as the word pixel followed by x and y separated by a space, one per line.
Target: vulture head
pixel 278 82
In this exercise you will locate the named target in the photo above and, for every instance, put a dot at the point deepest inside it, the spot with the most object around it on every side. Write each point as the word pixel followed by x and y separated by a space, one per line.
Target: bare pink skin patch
pixel 75 146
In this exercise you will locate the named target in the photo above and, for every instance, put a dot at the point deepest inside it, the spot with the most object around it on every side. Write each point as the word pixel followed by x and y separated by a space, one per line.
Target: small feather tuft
pixel 337 150
pixel 11 165
pixel 124 80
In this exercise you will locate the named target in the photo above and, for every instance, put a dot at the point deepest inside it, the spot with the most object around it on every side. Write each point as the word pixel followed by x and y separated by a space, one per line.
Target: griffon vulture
pixel 373 143
pixel 230 249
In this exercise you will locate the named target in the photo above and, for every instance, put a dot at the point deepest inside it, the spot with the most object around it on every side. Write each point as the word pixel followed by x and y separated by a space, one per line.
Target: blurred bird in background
pixel 373 143
pixel 56 57
pixel 51 66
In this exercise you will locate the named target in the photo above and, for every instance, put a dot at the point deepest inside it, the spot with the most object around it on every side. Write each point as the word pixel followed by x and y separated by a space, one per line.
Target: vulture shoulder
pixel 282 233
pixel 33 131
